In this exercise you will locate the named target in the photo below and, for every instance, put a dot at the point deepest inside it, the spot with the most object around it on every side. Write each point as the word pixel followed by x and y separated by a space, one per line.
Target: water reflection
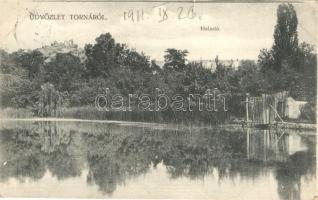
pixel 113 154
pixel 294 157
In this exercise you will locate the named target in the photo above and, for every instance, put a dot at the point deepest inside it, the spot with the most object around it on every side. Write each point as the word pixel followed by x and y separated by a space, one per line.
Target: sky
pixel 244 28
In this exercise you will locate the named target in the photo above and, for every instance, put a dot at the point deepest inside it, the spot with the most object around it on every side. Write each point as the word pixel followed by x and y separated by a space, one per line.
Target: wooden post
pixel 248 143
pixel 264 108
pixel 247 101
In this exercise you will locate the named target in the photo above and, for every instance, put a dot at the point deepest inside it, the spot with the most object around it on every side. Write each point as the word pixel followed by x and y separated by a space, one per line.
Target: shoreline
pixel 285 125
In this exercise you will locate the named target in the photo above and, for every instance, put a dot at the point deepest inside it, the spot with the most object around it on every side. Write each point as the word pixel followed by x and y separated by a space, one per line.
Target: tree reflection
pixel 289 174
pixel 113 158
pixel 20 150
pixel 115 154
pixel 29 152
pixel 292 162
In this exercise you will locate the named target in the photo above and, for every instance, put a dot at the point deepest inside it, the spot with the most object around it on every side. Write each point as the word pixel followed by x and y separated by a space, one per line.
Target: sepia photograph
pixel 175 99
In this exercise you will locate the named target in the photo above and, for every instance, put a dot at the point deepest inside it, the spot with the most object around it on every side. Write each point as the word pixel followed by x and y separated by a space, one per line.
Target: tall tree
pixel 285 37
pixel 281 64
pixel 106 55
pixel 103 55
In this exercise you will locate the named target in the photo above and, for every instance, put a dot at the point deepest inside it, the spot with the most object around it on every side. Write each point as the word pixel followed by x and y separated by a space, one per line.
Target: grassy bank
pixel 16 113
pixel 136 115
pixel 91 113
pixel 194 118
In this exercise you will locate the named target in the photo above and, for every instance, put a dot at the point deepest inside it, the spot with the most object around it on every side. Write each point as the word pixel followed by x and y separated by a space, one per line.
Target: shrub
pixel 308 112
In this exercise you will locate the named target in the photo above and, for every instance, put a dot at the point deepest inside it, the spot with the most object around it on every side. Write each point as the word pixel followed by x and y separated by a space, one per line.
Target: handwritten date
pixel 162 13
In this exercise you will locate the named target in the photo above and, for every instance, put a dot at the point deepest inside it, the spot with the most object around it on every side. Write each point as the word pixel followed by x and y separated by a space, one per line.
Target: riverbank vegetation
pixel 66 85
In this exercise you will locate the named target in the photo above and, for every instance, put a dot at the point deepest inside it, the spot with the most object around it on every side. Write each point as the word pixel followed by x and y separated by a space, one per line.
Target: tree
pixel 305 86
pixel 63 70
pixel 107 56
pixel 8 64
pixel 49 101
pixel 16 87
pixel 285 37
pixel 175 59
pixel 285 48
pixel 135 61
pixel 103 56
pixel 281 65
pixel 32 61
pixel 250 78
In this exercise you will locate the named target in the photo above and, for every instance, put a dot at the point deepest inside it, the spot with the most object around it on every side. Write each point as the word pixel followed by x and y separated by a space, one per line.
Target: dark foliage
pixel 109 64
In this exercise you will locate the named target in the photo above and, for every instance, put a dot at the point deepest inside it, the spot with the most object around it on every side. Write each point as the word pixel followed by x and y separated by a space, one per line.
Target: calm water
pixel 93 160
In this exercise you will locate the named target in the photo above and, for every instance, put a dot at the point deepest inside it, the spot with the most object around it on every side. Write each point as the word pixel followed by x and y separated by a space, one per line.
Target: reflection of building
pixel 270 146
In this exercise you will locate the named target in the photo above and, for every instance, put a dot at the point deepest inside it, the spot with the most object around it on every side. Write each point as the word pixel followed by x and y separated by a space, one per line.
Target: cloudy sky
pixel 244 28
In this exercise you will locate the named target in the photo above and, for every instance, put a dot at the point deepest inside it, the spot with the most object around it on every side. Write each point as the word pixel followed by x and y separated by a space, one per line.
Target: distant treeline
pixel 28 80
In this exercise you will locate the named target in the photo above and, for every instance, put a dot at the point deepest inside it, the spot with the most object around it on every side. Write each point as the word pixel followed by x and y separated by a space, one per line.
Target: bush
pixel 308 112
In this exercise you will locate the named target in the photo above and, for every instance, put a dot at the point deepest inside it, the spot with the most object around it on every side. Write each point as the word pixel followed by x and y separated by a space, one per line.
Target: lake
pixel 131 160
